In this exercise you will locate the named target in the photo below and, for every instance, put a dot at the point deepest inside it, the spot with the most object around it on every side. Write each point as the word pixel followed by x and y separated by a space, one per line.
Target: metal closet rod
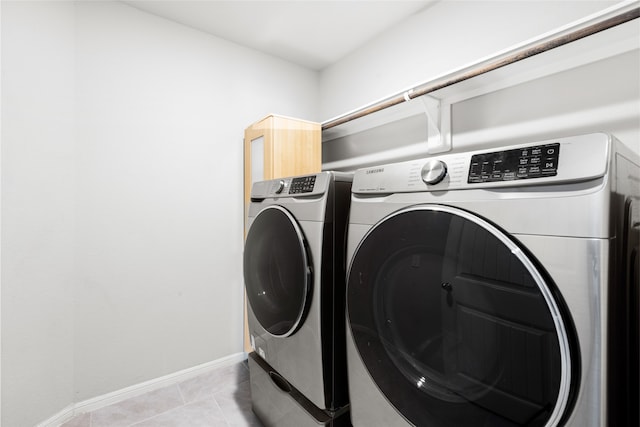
pixel 519 55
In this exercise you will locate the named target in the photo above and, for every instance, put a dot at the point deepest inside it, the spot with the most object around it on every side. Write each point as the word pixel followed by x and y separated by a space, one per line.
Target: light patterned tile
pixel 204 413
pixel 82 420
pixel 206 385
pixel 235 403
pixel 138 408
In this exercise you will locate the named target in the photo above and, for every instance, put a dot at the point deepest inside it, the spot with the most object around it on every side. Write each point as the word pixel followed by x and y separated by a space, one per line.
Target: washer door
pixel 455 324
pixel 277 271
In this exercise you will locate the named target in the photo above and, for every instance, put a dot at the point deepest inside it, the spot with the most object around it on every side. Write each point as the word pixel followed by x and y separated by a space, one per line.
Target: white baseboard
pixel 58 419
pixel 138 389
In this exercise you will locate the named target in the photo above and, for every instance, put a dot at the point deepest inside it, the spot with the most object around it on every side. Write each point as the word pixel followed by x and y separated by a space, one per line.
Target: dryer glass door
pixel 455 324
pixel 277 272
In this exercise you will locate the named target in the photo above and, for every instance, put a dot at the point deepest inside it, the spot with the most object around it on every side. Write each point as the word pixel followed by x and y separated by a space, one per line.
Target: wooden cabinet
pixel 276 147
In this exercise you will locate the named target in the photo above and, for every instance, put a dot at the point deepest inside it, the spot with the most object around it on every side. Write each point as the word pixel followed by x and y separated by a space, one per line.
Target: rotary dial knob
pixel 281 185
pixel 433 171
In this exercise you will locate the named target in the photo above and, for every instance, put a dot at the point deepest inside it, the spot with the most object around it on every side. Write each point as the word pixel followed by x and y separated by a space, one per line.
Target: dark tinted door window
pixel 276 271
pixel 454 324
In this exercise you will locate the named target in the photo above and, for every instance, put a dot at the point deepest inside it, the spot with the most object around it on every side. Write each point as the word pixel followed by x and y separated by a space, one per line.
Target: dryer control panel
pixel 568 159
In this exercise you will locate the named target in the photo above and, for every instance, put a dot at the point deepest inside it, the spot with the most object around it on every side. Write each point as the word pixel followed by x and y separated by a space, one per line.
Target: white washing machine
pixel 496 288
pixel 294 272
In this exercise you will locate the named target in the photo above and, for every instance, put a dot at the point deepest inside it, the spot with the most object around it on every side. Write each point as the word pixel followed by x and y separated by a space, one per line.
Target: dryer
pixel 496 287
pixel 294 272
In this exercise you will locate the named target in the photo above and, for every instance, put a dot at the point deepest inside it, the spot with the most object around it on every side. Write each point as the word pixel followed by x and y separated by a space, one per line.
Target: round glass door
pixel 277 273
pixel 456 325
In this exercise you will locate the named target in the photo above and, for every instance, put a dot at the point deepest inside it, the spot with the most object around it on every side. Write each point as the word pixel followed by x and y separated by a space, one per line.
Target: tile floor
pixel 220 398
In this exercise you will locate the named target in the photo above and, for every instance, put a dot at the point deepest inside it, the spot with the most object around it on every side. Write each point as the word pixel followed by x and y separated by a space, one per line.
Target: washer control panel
pixel 523 163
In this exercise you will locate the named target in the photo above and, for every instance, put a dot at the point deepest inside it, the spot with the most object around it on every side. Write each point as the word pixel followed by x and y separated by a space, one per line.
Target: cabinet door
pixel 294 148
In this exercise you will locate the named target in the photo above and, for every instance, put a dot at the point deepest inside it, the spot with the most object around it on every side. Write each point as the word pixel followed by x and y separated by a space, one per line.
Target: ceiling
pixel 311 33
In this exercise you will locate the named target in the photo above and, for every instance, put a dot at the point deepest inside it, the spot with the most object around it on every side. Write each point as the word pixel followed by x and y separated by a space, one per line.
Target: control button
pixel 281 185
pixel 433 172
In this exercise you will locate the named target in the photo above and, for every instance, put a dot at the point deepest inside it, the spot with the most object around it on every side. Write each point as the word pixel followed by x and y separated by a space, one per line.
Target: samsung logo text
pixel 376 170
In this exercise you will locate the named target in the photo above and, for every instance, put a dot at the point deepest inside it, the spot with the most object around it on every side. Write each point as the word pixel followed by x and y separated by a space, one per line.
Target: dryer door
pixel 455 323
pixel 277 271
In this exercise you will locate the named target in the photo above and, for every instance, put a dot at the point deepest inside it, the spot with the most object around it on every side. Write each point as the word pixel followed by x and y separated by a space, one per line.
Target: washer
pixel 496 288
pixel 294 272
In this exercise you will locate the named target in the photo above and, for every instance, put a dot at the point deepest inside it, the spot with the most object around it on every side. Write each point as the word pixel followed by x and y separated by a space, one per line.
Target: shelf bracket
pixel 438 124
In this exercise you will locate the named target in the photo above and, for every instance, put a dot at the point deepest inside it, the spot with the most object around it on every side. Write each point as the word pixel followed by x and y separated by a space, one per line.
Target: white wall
pixel 161 114
pixel 38 210
pixel 581 100
pixel 148 180
pixel 446 36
